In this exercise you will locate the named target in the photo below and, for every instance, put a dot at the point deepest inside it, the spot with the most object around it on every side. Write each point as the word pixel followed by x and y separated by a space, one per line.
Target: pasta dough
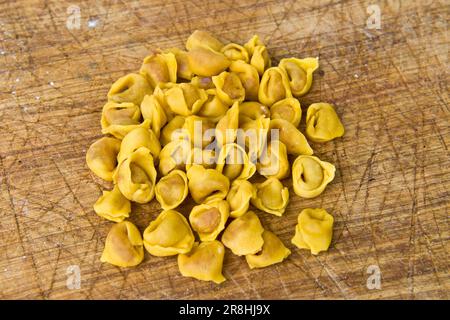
pixel 322 123
pixel 310 176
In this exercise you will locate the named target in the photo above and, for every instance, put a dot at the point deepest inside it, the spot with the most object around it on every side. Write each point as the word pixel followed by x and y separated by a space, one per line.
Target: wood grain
pixel 390 198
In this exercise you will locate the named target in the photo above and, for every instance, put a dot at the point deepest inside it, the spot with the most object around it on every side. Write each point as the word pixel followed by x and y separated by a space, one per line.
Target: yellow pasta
pixel 202 82
pixel 274 161
pixel 159 68
pixel 120 118
pixel 139 137
pixel 249 78
pixel 206 62
pixel 207 184
pixel 271 197
pixel 239 196
pixel 273 251
pixel 172 130
pixel 226 128
pixel 203 262
pixel 185 99
pixel 196 127
pixel 300 73
pixel 294 140
pixel 203 39
pixel 235 52
pixel 136 176
pixel 208 219
pixel 233 162
pixel 314 230
pixel 322 123
pixel 260 59
pixel 207 158
pixel 229 87
pixel 130 88
pixel 252 43
pixel 101 157
pixel 169 234
pixel 172 189
pixel 183 70
pixel 310 176
pixel 288 109
pixel 153 110
pixel 252 110
pixel 274 86
pixel 112 205
pixel 243 236
pixel 255 136
pixel 214 108
pixel 123 245
pixel 174 155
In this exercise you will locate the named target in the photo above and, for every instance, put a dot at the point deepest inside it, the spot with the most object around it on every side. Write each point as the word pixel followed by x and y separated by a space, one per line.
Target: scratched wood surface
pixel 390 197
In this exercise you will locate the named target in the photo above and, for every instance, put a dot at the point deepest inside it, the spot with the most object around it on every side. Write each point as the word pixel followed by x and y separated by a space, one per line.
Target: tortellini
pixel 274 86
pixel 136 176
pixel 172 189
pixel 252 110
pixel 172 130
pixel 214 108
pixel 274 161
pixel 271 196
pixel 235 52
pixel 130 88
pixel 229 87
pixel 185 99
pixel 159 68
pixel 169 234
pixel 183 70
pixel 203 262
pixel 196 128
pixel 203 39
pixel 243 236
pixel 101 157
pixel 288 109
pixel 300 73
pixel 259 55
pixel 206 62
pixel 208 219
pixel 322 123
pixel 139 137
pixel 202 82
pixel 174 156
pixel 226 128
pixel 207 158
pixel 255 135
pixel 154 110
pixel 314 230
pixel 239 196
pixel 123 245
pixel 292 138
pixel 249 78
pixel 310 176
pixel 233 162
pixel 120 118
pixel 273 251
pixel 207 184
pixel 112 205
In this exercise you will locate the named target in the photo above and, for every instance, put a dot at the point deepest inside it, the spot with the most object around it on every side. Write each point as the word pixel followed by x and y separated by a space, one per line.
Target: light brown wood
pixel 390 197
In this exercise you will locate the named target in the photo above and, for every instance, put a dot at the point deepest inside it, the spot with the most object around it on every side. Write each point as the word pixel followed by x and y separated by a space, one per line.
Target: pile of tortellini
pixel 150 151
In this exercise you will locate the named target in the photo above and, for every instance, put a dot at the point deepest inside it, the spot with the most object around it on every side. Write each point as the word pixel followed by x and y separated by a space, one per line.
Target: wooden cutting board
pixel 390 197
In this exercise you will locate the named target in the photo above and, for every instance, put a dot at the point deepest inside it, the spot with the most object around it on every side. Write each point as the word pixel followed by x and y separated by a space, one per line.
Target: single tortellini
pixel 120 118
pixel 252 110
pixel 139 137
pixel 207 158
pixel 314 230
pixel 226 128
pixel 310 176
pixel 183 70
pixel 203 39
pixel 233 162
pixel 112 205
pixel 300 73
pixel 207 184
pixel 130 88
pixel 172 130
pixel 249 78
pixel 322 123
pixel 239 196
pixel 294 140
pixel 271 196
pixel 136 176
pixel 229 87
pixel 159 68
pixel 206 62
pixel 259 56
pixel 243 236
pixel 203 262
pixel 273 251
pixel 208 219
pixel 197 130
pixel 274 86
pixel 172 189
pixel 153 110
pixel 252 43
pixel 288 109
pixel 214 108
pixel 174 155
pixel 169 234
pixel 255 136
pixel 101 157
pixel 185 99
pixel 123 245
pixel 235 52
pixel 202 82
pixel 274 161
